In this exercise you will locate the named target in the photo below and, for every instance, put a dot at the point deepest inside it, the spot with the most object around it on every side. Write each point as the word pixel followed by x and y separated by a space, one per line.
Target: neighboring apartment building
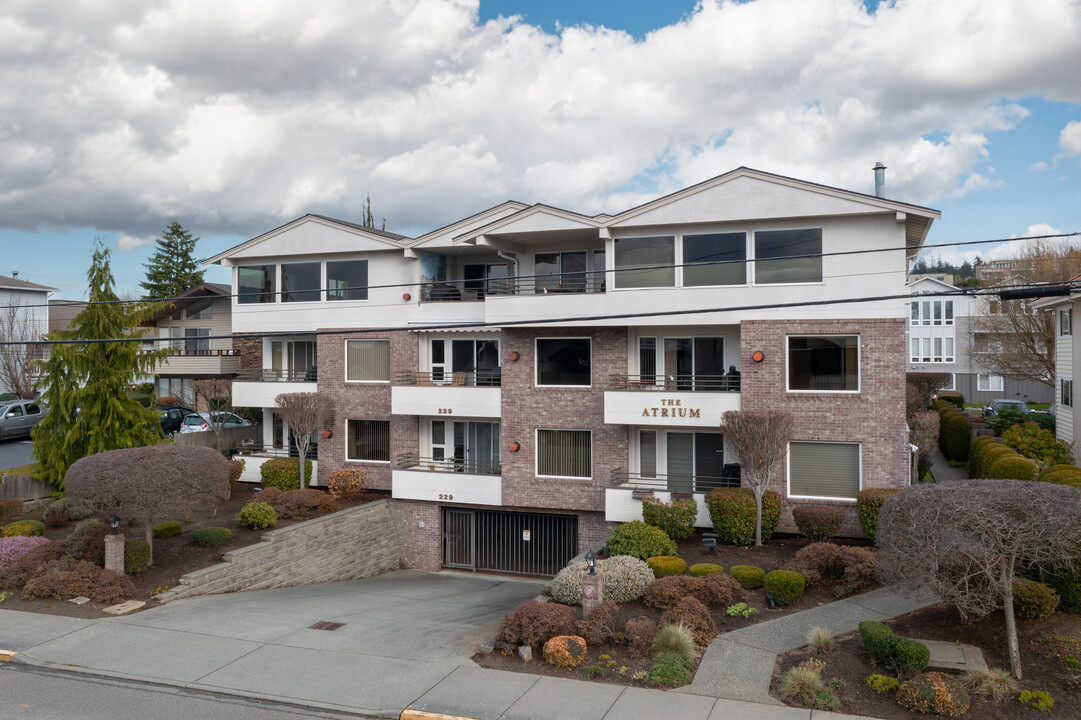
pixel 606 350
pixel 24 317
pixel 1067 364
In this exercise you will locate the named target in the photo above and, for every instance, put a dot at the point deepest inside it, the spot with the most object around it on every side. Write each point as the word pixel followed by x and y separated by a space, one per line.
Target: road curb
pixel 6 655
pixel 408 714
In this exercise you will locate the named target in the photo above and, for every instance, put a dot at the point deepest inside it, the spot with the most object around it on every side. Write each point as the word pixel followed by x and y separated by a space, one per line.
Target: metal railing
pixel 182 352
pixel 688 483
pixel 413 461
pixel 690 383
pixel 260 450
pixel 466 290
pixel 479 378
pixel 270 375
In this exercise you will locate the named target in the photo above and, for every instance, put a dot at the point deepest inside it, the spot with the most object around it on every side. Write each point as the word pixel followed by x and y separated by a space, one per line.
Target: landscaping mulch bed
pixel 173 557
pixel 615 659
pixel 1050 657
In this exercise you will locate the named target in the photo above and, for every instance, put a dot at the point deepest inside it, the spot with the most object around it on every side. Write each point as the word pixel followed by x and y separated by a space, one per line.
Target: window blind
pixel 564 453
pixel 367 360
pixel 829 470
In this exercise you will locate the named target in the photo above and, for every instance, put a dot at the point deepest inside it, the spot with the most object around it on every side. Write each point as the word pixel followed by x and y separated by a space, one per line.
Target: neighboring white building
pixel 24 316
pixel 1067 365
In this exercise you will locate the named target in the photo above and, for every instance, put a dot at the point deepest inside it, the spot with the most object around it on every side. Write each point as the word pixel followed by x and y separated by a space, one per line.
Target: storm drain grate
pixel 326 625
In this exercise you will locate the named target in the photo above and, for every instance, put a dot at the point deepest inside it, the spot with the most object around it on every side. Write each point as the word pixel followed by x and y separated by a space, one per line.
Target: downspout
pixel 514 262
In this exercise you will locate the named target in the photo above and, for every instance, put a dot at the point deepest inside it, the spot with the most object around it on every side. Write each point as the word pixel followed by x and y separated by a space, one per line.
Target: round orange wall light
pixel 514 356
pixel 328 434
pixel 758 356
pixel 406 296
pixel 515 447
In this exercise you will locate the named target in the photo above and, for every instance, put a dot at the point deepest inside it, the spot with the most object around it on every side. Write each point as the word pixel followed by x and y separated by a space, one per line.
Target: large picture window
pixel 196 340
pixel 563 361
pixel 564 453
pixel 367 360
pixel 656 256
pixel 300 282
pixel 722 256
pixel 824 363
pixel 256 284
pixel 368 440
pixel 824 470
pixel 989 383
pixel 347 280
pixel 777 255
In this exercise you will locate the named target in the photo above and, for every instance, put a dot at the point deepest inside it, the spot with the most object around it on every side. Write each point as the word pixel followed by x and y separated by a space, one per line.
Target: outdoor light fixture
pixel 591 561
pixel 328 434
pixel 114 522
pixel 406 296
pixel 515 447
pixel 514 356
pixel 758 356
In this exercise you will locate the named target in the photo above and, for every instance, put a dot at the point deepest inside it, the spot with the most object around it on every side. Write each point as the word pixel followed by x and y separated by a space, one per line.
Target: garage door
pixel 509 542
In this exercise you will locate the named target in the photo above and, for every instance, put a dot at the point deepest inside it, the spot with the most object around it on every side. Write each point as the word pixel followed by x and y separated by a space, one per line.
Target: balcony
pixel 199 363
pixel 671 400
pixel 416 477
pixel 623 496
pixel 473 290
pixel 259 387
pixel 461 394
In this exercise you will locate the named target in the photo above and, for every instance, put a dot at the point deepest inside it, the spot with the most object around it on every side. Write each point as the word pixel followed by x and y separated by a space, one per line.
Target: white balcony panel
pixel 450 400
pixel 198 365
pixel 454 487
pixel 620 505
pixel 262 394
pixel 675 409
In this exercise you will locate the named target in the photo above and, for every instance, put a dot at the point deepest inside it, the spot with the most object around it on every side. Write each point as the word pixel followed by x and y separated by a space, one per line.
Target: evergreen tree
pixel 86 384
pixel 172 268
pixel 366 215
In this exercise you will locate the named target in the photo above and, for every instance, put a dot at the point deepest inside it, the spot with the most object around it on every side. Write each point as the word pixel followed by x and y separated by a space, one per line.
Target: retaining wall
pixel 23 487
pixel 354 543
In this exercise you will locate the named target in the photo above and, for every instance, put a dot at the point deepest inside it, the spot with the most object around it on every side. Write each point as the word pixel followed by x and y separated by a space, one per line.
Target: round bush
pixel 703 569
pixel 136 556
pixel 748 576
pixel 664 565
pixel 732 511
pixel 168 529
pixel 1067 583
pixel 639 540
pixel 282 473
pixel 256 515
pixel 211 536
pixel 667 591
pixel 26 528
pixel 785 586
pixel 976 452
pixel 565 651
pixel 987 458
pixel 534 623
pixel 934 692
pixel 676 519
pixel 693 614
pixel 868 504
pixel 1012 467
pixel 625 580
pixel 818 522
pixel 958 433
pixel 1033 600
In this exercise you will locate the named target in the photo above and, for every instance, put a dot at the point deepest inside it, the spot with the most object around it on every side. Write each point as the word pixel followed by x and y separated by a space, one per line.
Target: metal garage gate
pixel 510 542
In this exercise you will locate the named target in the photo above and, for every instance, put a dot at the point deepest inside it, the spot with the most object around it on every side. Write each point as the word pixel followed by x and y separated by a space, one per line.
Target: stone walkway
pixel 942 471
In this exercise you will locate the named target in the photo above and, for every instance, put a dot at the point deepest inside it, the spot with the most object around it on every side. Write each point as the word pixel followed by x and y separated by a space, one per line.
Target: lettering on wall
pixel 671 409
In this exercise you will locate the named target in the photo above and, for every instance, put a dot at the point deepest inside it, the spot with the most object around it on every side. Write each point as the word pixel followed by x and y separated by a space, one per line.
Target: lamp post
pixel 114 547
pixel 591 561
pixel 114 523
pixel 592 585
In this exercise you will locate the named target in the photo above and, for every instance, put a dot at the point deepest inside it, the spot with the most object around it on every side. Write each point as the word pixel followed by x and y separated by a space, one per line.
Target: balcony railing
pixel 270 375
pixel 730 477
pixel 675 383
pixel 184 352
pixel 413 461
pixel 479 378
pixel 464 290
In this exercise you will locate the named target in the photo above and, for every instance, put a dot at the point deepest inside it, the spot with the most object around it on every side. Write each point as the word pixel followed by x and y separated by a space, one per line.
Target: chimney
pixel 880 179
pixel 14 273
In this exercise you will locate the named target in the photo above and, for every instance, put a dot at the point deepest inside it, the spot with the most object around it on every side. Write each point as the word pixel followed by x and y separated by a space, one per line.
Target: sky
pixel 232 117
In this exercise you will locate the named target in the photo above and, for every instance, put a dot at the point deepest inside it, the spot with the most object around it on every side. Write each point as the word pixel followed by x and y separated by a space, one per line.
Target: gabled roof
pixel 379 236
pixel 190 296
pixel 565 218
pixel 945 285
pixel 484 217
pixel 11 283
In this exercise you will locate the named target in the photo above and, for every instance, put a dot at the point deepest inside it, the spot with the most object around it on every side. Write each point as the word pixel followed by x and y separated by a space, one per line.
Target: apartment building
pixel 24 317
pixel 1067 357
pixel 520 379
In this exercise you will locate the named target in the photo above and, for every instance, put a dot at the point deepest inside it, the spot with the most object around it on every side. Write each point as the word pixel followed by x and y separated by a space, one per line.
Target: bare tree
pixel 19 370
pixel 305 413
pixel 759 440
pixel 216 394
pixel 964 540
pixel 927 383
pixel 149 482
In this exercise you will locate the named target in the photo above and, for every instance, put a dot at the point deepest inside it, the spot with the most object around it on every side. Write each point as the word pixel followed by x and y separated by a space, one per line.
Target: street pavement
pixel 14 453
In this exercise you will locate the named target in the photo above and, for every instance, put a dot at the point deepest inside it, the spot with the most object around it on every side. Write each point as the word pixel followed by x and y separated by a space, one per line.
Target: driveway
pixel 14 453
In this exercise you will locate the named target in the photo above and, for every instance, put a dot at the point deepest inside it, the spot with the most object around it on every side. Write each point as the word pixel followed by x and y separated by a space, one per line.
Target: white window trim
pixel 1001 383
pixel 953 384
pixel 345 363
pixel 320 289
pixel 752 256
pixel 859 364
pixel 345 445
pixel 677 254
pixel 788 471
pixel 536 453
pixel 536 364
pixel 325 283
pixel 748 234
pixel 275 294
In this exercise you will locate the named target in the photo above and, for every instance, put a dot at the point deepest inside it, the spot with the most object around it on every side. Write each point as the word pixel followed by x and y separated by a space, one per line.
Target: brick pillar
pixel 592 592
pixel 114 552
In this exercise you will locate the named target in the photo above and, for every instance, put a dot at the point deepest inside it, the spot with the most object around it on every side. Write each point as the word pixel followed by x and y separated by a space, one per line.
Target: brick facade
pixel 251 352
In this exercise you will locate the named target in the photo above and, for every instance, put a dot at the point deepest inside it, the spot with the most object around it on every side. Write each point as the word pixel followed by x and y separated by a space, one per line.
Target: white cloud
pixel 1040 166
pixel 1070 138
pixel 234 117
pixel 127 243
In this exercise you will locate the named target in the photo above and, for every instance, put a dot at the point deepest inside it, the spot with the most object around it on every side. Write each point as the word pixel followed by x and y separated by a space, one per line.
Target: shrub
pixel 904 655
pixel 703 569
pixel 674 639
pixel 208 537
pixel 739 608
pixel 868 504
pixel 1061 474
pixel 55 516
pixel 168 529
pixel 732 511
pixel 640 633
pixel 820 639
pixel 1066 582
pixel 1033 600
pixel 65 578
pixel 666 592
pixel 236 469
pixel 992 683
pixel 63 510
pixel 981 454
pixel 534 623
pixel 664 565
pixel 256 515
pixel 909 656
pixel 720 591
pixel 565 651
pixel 818 522
pixel 87 542
pixel 801 683
pixel 625 579
pixel 934 692
pixel 882 684
pixel 1037 700
pixel 954 398
pixel 1007 417
pixel 301 504
pixel 690 611
pixel 669 670
pixel 136 556
pixel 282 473
pixel 29 528
pixel 13 548
pixel 1034 442
pixel 1012 467
pixel 639 540
pixel 675 519
pixel 785 586
pixel 853 567
pixel 600 626
pixel 9 508
pixel 748 576
pixel 988 456
pixel 958 432
pixel 347 484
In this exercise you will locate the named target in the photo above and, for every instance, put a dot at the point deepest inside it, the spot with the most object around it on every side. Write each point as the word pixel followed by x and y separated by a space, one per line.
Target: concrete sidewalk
pixel 405 646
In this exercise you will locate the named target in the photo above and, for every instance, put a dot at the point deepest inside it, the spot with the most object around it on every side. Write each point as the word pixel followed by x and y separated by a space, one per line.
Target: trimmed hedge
pixel 733 514
pixel 1012 467
pixel 953 398
pixel 703 569
pixel 984 451
pixel 664 565
pixel 902 654
pixel 208 537
pixel 1033 600
pixel 168 529
pixel 748 576
pixel 676 519
pixel 27 528
pixel 136 556
pixel 868 504
pixel 818 522
pixel 785 586
pixel 639 540
pixel 956 431
pixel 282 473
pixel 256 515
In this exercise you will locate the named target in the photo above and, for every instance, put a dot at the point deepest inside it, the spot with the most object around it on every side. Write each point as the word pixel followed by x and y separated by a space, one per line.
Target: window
pixel 1067 393
pixel 695 461
pixel 467 446
pixel 989 383
pixel 256 284
pixel 655 255
pixel 1065 322
pixel 694 363
pixel 471 361
pixel 914 356
pixel 564 453
pixel 823 470
pixel 199 311
pixel 932 312
pixel 726 251
pixel 824 363
pixel 368 440
pixel 300 282
pixel 367 360
pixel 561 272
pixel 347 280
pixel 563 361
pixel 33 410
pixel 952 385
pixel 776 254
pixel 196 340
pixel 482 279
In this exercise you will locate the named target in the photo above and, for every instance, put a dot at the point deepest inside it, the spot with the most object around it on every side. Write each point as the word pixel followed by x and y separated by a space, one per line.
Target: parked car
pixel 172 417
pixel 18 417
pixel 996 407
pixel 198 422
